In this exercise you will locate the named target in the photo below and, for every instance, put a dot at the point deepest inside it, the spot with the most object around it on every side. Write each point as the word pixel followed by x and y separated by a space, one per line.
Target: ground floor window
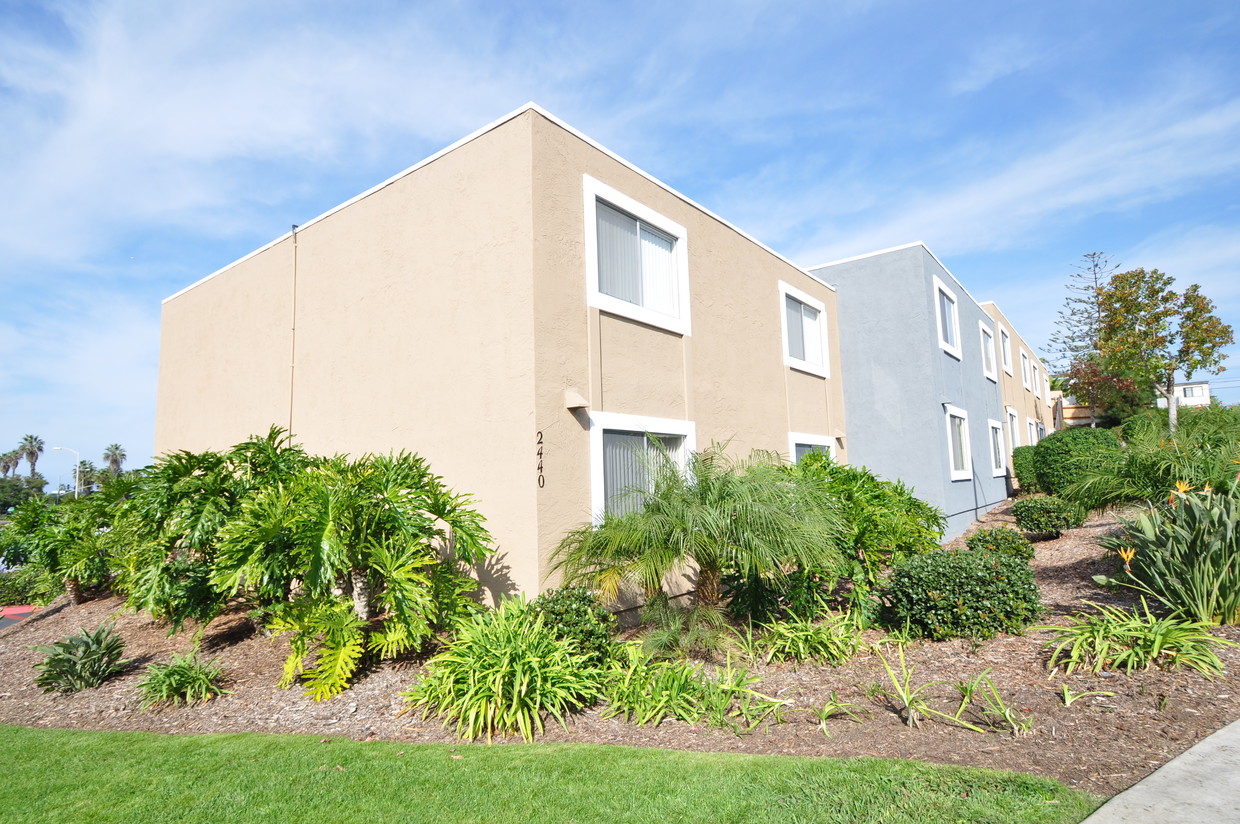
pixel 801 444
pixel 625 451
pixel 958 442
pixel 998 454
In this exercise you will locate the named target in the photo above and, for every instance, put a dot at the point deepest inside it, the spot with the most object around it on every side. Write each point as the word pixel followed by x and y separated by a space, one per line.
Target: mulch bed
pixel 1102 744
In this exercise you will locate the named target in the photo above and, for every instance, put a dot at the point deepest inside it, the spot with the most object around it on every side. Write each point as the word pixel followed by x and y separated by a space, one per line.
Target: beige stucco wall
pixel 225 350
pixel 446 313
pixel 414 331
pixel 1012 388
pixel 727 376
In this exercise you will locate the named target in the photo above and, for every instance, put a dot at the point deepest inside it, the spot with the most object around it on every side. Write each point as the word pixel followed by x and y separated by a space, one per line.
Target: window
pixel 947 319
pixel 801 444
pixel 1194 391
pixel 1025 372
pixel 988 352
pixel 1046 386
pixel 624 449
pixel 1033 431
pixel 1041 430
pixel 958 443
pixel 1013 428
pixel 805 331
pixel 998 454
pixel 1005 349
pixel 1036 378
pixel 636 260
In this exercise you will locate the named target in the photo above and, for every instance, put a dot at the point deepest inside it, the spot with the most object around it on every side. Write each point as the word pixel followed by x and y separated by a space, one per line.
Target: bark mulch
pixel 1102 744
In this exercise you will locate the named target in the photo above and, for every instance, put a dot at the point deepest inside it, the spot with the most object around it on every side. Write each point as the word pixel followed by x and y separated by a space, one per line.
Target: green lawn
pixel 73 776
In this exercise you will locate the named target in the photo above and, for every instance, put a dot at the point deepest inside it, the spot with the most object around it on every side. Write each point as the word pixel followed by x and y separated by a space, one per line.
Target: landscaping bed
pixel 1100 743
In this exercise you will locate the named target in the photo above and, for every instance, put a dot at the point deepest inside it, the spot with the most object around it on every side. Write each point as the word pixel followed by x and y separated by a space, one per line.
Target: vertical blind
pixel 635 261
pixel 947 318
pixel 628 458
pixel 958 444
pixel 804 331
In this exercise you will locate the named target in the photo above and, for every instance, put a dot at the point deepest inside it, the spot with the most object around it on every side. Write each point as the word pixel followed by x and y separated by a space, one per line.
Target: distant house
pixel 937 388
pixel 521 308
pixel 1193 393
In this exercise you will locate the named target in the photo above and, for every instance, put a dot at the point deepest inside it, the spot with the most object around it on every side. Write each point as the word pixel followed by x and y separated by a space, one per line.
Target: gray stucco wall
pixel 897 380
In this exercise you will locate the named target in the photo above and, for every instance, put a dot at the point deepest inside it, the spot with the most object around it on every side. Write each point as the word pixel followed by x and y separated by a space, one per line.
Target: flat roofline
pixel 528 107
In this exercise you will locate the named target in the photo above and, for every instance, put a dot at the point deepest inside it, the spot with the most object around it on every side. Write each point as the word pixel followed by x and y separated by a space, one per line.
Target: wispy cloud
pixel 993 61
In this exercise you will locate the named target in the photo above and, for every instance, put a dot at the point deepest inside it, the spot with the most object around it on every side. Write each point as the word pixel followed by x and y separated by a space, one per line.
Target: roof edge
pixel 531 106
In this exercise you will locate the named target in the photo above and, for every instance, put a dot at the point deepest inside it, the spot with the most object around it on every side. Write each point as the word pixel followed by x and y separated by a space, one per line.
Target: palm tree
pixel 31 448
pixel 715 516
pixel 6 463
pixel 114 455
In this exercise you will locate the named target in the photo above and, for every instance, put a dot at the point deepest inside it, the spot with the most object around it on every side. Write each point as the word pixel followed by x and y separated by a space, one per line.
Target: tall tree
pixel 1152 332
pixel 1079 323
pixel 114 455
pixel 31 447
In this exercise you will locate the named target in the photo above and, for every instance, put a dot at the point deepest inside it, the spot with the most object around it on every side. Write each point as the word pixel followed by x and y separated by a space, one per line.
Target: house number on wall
pixel 542 480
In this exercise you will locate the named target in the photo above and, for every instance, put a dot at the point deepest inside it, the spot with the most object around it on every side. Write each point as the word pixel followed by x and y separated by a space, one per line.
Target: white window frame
pixel 1046 387
pixel 997 469
pixel 823 370
pixel 940 288
pixel 1005 348
pixel 1013 428
pixel 966 473
pixel 593 192
pixel 600 421
pixel 988 334
pixel 1025 371
pixel 1035 376
pixel 1031 428
pixel 809 439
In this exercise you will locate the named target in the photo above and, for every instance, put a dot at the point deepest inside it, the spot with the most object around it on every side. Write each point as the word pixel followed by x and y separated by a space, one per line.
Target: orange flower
pixel 1127 553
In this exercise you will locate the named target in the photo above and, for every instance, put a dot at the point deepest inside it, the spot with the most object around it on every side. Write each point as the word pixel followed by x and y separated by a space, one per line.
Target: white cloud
pixel 993 61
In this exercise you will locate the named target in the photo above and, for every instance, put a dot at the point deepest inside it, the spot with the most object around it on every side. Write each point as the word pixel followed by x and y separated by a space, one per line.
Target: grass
pixel 69 775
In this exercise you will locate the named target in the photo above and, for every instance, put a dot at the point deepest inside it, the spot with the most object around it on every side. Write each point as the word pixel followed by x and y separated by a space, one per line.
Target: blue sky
pixel 144 145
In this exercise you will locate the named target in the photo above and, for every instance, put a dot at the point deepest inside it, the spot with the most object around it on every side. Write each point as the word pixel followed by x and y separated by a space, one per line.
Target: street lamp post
pixel 77 467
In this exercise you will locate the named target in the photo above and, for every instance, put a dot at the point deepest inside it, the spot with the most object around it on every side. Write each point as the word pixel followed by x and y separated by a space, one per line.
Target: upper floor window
pixel 958 443
pixel 1036 379
pixel 1005 349
pixel 805 331
pixel 988 352
pixel 947 319
pixel 1026 372
pixel 636 260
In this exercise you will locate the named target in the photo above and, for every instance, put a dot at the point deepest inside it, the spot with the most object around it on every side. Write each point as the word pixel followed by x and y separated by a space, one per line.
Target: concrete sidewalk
pixel 1200 786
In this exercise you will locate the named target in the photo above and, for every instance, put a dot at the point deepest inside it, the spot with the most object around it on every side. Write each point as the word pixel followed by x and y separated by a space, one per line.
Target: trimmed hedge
pixel 961 594
pixel 1057 457
pixel 1001 539
pixel 575 614
pixel 1022 467
pixel 1047 515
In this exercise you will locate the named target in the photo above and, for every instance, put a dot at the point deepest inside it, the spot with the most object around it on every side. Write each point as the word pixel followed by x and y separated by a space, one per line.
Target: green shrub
pixel 80 661
pixel 833 641
pixel 1022 467
pixel 1058 458
pixel 645 691
pixel 502 674
pixel 575 614
pixel 961 594
pixel 185 679
pixel 28 584
pixel 699 631
pixel 1186 553
pixel 806 594
pixel 1047 515
pixel 1116 638
pixel 1200 453
pixel 884 522
pixel 1000 539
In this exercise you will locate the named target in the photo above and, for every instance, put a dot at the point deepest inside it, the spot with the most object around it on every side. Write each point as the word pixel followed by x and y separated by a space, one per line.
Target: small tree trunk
pixel 361 595
pixel 1172 410
pixel 709 586
pixel 73 588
